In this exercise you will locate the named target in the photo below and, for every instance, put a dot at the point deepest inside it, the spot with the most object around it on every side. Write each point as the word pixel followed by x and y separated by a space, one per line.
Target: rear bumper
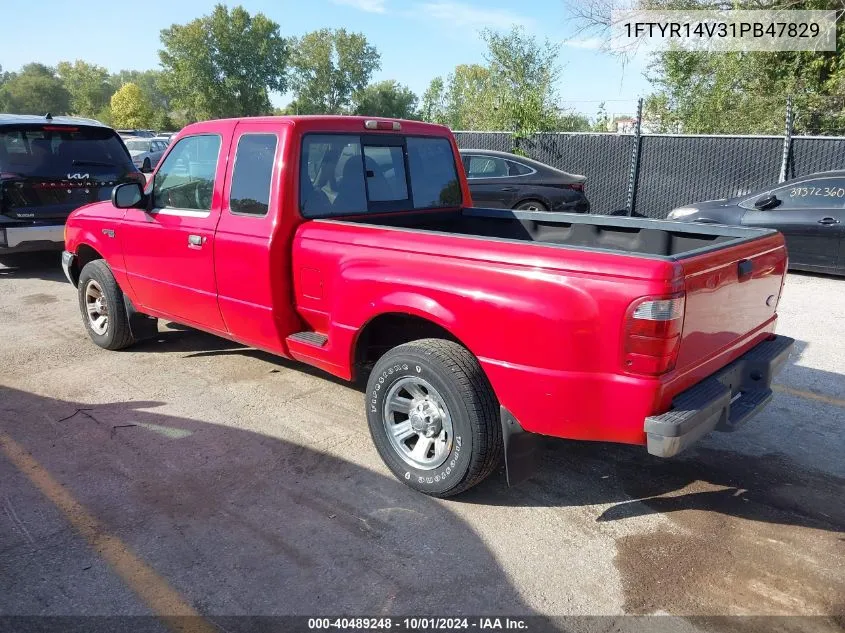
pixel 22 239
pixel 721 402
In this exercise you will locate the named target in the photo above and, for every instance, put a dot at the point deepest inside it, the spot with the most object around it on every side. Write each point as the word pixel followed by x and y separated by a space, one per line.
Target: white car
pixel 146 152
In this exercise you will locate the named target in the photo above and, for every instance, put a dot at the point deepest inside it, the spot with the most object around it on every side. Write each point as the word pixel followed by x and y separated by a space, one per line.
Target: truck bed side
pixel 545 322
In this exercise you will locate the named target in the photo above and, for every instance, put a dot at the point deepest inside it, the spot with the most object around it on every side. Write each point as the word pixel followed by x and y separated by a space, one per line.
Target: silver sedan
pixel 146 152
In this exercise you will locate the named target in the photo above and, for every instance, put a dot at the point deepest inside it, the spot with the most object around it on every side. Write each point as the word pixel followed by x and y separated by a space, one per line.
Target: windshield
pixel 138 146
pixel 54 151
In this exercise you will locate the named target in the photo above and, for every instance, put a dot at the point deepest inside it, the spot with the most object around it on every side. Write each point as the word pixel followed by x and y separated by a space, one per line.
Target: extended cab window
pixel 486 167
pixel 252 175
pixel 185 179
pixel 347 174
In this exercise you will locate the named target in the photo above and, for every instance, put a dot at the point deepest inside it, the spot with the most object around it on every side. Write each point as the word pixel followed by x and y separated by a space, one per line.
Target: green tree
pixel 34 90
pixel 523 72
pixel 4 77
pixel 388 99
pixel 738 92
pixel 149 81
pixel 602 120
pixel 129 109
pixel 328 68
pixel 223 64
pixel 567 121
pixel 433 107
pixel 471 99
pixel 513 92
pixel 88 85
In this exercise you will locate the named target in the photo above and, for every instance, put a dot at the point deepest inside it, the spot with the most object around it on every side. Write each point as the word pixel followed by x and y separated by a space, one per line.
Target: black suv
pixel 49 167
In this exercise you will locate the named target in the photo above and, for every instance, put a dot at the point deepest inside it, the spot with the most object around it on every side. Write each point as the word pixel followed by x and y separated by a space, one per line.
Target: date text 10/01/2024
pixel 418 624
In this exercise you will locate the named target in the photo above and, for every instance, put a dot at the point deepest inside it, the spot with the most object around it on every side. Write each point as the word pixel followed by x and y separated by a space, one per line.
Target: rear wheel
pixel 531 205
pixel 433 417
pixel 102 306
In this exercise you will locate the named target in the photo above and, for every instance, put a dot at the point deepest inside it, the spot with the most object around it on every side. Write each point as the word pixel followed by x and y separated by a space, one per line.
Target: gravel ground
pixel 248 485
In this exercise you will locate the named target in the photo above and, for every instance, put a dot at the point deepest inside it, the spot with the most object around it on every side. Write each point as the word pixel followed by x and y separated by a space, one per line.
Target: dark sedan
pixel 809 211
pixel 503 180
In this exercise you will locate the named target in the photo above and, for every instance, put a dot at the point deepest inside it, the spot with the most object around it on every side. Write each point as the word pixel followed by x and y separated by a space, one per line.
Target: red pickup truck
pixel 351 244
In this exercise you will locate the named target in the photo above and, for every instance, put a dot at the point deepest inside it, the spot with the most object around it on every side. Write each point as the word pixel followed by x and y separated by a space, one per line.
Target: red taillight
pixel 59 128
pixel 578 186
pixel 653 328
pixel 382 125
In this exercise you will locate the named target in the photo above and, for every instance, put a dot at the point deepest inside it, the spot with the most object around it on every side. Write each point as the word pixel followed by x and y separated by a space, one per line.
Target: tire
pixel 146 167
pixel 454 405
pixel 531 205
pixel 98 288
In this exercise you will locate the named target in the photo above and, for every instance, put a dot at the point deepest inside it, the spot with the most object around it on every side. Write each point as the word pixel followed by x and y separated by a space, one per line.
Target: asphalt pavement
pixel 189 475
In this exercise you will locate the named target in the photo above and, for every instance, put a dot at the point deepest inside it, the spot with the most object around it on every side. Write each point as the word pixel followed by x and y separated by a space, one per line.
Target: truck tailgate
pixel 731 294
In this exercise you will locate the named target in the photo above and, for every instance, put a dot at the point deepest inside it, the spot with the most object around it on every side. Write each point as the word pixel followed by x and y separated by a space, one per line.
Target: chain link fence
pixel 678 170
pixel 670 170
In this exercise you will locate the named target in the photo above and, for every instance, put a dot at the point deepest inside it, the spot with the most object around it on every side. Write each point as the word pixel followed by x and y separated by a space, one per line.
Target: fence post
pixel 787 140
pixel 634 170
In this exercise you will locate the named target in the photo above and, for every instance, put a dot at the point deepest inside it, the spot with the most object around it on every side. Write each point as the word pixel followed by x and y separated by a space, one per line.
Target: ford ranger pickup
pixel 351 244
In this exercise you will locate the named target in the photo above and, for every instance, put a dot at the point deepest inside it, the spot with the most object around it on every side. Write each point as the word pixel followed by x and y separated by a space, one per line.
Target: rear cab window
pixel 351 174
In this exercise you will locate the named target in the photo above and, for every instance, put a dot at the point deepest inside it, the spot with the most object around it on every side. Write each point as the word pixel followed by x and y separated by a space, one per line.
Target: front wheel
pixel 433 417
pixel 102 307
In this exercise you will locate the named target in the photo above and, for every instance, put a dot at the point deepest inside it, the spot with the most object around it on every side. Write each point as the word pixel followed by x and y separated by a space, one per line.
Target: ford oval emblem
pixel 771 300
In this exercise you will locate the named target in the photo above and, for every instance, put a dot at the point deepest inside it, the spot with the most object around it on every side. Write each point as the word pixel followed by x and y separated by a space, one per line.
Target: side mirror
pixel 148 170
pixel 766 202
pixel 127 195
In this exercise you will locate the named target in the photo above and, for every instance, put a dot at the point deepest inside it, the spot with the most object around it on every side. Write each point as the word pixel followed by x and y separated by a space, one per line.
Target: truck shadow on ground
pixel 46 266
pixel 238 522
pixel 769 483
pixel 783 467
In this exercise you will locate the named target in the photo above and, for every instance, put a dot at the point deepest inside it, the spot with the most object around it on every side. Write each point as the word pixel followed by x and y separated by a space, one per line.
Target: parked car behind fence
pixel 809 211
pixel 504 180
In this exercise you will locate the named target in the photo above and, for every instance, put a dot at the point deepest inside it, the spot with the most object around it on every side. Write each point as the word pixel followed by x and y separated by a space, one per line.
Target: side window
pixel 821 193
pixel 185 179
pixel 252 174
pixel 517 169
pixel 487 167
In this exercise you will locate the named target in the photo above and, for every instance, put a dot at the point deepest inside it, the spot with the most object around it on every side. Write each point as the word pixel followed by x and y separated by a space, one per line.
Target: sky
pixel 417 39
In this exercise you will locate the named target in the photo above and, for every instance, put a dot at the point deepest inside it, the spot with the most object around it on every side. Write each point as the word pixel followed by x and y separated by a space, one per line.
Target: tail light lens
pixel 653 327
pixel 578 186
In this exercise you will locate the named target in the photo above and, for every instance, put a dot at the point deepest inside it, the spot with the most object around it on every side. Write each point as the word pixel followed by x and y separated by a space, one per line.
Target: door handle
pixel 828 221
pixel 508 188
pixel 196 240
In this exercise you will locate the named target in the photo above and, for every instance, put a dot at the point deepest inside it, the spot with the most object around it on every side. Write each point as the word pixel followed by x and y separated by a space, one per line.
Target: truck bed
pixel 650 238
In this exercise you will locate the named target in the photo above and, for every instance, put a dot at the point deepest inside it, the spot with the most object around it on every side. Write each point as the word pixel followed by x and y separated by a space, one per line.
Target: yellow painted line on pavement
pixel 810 395
pixel 154 590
